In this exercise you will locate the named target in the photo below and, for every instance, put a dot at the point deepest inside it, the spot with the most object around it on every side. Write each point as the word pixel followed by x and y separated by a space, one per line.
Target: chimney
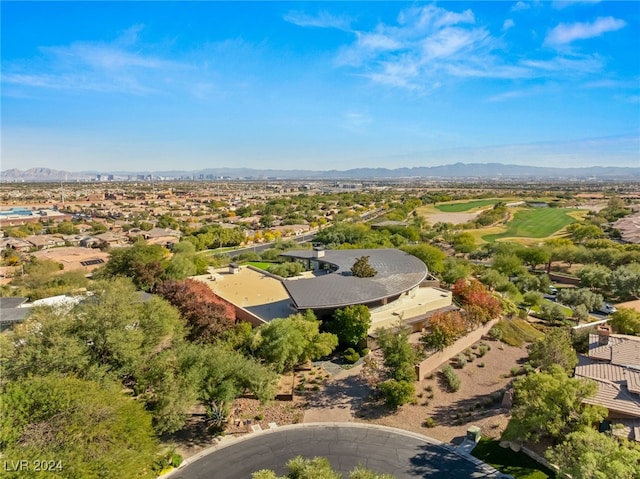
pixel 318 252
pixel 603 331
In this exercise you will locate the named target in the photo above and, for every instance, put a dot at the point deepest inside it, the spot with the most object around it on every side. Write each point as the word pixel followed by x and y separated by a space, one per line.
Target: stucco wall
pixel 441 357
pixel 244 315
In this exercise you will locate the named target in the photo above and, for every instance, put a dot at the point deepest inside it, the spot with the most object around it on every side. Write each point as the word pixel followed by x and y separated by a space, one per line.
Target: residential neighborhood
pixel 365 276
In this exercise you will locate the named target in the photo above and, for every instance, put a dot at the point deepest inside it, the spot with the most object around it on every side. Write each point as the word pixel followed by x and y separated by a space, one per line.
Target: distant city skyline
pixel 136 86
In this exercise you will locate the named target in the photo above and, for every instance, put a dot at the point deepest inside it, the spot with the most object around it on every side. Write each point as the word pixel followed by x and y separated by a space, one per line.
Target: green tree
pixel 165 384
pixel 287 342
pixel 555 348
pixel 143 263
pixel 589 454
pixel 507 264
pixel 594 276
pixel 351 324
pixel 626 321
pixel 67 228
pixel 362 269
pixel 400 357
pixel 464 243
pixel 531 299
pixel 455 269
pixel 91 428
pixel 432 256
pixel 111 333
pixel 625 281
pixel 223 374
pixel 573 297
pixel 582 232
pixel 550 403
pixel 552 312
pixel 534 255
pixel 185 262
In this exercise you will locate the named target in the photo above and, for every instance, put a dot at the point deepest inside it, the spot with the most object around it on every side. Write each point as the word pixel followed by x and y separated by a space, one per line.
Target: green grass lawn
pixel 469 205
pixel 518 464
pixel 535 223
pixel 260 264
pixel 566 310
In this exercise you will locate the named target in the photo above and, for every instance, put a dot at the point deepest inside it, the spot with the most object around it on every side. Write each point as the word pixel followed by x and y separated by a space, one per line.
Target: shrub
pixel 259 417
pixel 452 379
pixel 482 350
pixel 302 383
pixel 351 355
pixel 429 422
pixel 176 459
pixel 364 352
pixel 515 371
pixel 461 360
pixel 496 333
pixel 396 393
pixel 481 365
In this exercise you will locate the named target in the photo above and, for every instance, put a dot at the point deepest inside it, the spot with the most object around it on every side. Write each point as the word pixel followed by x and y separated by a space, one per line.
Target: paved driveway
pixel 381 449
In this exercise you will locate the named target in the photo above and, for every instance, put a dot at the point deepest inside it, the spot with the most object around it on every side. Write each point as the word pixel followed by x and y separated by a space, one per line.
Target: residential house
pixel 613 362
pixel 162 236
pixel 17 244
pixel 44 241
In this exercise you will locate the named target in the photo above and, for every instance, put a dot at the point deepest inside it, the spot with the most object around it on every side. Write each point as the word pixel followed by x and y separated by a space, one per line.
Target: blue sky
pixel 328 85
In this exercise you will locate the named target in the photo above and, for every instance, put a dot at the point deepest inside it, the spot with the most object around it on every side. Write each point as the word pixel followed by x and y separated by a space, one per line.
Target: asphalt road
pixel 404 455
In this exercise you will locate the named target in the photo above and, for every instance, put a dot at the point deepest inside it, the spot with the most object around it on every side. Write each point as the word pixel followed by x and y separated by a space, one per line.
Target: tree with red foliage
pixel 445 328
pixel 207 315
pixel 479 304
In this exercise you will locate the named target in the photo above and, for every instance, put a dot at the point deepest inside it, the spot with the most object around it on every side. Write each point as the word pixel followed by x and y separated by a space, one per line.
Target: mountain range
pixel 459 171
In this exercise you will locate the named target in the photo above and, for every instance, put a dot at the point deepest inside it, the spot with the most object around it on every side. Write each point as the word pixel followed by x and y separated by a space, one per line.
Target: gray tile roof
pixel 397 272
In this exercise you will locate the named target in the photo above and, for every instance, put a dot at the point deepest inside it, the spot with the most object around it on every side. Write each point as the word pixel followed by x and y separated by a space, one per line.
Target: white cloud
pixel 566 33
pixel 377 41
pixel 430 46
pixel 562 4
pixel 123 65
pixel 565 65
pixel 322 20
pixel 508 24
pixel 519 6
pixel 427 45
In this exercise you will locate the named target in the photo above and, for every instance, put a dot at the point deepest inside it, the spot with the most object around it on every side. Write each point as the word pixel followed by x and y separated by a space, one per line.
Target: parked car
pixel 607 308
pixel 553 290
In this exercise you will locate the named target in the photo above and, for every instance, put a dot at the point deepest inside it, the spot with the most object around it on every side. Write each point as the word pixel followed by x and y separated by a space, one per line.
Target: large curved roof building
pixel 397 273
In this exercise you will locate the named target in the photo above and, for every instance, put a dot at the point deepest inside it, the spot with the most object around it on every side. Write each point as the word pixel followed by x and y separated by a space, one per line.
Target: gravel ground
pixel 477 402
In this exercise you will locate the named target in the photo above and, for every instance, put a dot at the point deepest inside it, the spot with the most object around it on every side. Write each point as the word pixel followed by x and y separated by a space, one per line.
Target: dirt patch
pixel 477 402
pixel 454 218
pixel 244 413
